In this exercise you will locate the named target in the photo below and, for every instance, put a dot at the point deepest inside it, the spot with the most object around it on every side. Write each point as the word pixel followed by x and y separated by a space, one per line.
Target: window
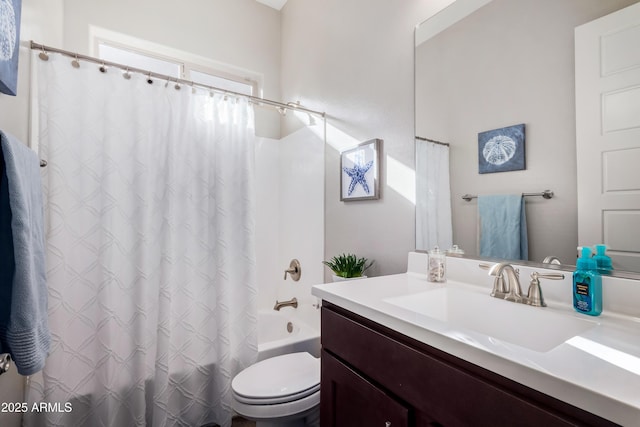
pixel 175 68
pixel 221 82
pixel 139 60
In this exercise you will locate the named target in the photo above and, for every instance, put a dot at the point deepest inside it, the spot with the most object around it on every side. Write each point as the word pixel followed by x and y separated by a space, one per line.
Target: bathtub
pixel 284 331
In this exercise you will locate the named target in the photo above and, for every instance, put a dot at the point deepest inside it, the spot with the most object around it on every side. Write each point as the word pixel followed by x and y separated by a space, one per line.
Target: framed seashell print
pixel 359 170
pixel 501 150
pixel 9 45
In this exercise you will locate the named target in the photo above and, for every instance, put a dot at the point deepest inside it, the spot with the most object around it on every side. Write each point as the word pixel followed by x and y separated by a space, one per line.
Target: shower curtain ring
pixel 43 55
pixel 149 79
pixel 75 63
pixel 126 74
pixel 103 68
pixel 177 86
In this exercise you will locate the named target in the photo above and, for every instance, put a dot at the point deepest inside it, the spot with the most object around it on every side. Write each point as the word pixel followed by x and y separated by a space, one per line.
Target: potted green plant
pixel 348 266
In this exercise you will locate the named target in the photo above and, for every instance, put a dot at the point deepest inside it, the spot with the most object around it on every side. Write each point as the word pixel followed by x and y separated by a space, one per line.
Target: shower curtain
pixel 433 196
pixel 150 250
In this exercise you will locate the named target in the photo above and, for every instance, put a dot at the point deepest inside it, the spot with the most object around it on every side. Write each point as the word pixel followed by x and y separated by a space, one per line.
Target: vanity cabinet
pixel 374 376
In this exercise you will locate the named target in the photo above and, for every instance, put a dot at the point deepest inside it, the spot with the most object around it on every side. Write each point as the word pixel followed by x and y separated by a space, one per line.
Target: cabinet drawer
pixel 449 392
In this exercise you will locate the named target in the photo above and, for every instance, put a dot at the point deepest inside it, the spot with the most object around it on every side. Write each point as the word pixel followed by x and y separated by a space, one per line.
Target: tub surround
pixel 598 370
pixel 288 331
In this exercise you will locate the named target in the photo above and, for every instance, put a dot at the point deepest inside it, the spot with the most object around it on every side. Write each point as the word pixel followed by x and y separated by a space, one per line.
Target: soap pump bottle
pixel 603 261
pixel 587 285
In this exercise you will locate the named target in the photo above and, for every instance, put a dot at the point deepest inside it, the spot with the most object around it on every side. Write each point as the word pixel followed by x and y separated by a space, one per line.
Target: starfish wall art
pixel 359 171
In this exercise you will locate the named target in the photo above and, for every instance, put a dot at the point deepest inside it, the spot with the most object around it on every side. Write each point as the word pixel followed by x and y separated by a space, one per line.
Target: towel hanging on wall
pixel 24 332
pixel 502 227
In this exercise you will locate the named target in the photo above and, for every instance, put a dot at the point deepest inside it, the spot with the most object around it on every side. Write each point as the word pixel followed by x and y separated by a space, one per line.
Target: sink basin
pixel 536 328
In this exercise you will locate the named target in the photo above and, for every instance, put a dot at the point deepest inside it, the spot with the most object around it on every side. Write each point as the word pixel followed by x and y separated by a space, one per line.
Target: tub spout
pixel 291 303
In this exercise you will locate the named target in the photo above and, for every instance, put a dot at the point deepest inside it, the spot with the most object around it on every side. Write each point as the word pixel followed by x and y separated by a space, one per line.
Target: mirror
pixel 487 64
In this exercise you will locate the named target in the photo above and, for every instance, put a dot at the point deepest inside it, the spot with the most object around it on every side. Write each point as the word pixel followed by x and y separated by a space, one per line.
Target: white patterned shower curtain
pixel 150 249
pixel 433 196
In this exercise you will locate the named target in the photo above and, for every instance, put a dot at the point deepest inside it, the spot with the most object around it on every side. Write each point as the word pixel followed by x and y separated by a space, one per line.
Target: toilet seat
pixel 280 379
pixel 295 409
pixel 275 400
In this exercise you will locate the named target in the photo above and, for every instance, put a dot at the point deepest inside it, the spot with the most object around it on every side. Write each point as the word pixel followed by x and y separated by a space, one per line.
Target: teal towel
pixel 24 331
pixel 503 227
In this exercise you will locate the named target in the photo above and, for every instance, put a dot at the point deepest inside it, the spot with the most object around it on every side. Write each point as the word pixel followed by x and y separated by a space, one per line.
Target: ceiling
pixel 276 4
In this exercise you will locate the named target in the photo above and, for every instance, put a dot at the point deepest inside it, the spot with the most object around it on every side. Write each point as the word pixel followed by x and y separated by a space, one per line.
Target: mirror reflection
pixel 494 65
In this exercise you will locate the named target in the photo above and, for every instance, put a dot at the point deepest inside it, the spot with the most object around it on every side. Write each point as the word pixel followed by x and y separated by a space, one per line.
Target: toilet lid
pixel 287 377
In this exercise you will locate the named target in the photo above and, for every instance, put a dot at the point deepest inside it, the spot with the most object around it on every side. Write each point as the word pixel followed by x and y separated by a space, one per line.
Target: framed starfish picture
pixel 359 169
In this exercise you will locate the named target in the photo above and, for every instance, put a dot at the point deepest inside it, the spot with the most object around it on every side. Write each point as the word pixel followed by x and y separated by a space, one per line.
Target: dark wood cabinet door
pixel 349 400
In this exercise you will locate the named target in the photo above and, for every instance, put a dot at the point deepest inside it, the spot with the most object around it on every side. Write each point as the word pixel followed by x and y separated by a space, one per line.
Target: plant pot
pixel 344 279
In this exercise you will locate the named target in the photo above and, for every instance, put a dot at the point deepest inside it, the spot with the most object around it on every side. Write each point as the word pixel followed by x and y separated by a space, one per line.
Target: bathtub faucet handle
pixel 294 270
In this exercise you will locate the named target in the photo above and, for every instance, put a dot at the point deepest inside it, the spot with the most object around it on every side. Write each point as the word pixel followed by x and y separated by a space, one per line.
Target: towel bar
pixel 547 194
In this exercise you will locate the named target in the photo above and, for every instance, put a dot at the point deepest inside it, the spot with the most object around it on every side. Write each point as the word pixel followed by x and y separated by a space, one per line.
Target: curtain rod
pixel 446 144
pixel 76 56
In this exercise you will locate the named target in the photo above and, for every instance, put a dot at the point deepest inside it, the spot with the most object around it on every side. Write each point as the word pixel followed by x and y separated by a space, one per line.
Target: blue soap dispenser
pixel 603 261
pixel 587 285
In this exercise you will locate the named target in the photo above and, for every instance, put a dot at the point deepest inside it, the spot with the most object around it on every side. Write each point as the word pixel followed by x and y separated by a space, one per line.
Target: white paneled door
pixel 608 134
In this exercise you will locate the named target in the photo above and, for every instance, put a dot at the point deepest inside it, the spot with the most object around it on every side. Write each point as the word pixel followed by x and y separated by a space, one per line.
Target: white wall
pixel 41 20
pixel 354 60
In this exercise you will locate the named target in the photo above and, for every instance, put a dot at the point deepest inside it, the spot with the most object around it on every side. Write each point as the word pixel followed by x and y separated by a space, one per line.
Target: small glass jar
pixel 455 250
pixel 437 266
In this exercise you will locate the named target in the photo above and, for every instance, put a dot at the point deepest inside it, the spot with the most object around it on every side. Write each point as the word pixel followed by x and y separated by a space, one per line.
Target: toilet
pixel 282 391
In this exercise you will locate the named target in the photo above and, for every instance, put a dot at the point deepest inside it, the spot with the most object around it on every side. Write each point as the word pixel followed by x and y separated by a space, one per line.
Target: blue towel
pixel 503 227
pixel 24 331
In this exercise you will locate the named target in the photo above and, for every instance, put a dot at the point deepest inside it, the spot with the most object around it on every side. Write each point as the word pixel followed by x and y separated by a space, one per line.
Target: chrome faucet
pixel 291 303
pixel 552 260
pixel 512 286
pixel 511 290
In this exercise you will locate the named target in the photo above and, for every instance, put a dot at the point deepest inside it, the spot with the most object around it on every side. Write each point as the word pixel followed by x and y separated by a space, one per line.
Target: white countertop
pixel 598 371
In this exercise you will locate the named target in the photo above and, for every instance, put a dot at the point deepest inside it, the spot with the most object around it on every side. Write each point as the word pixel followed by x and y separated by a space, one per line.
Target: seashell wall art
pixel 10 11
pixel 501 150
